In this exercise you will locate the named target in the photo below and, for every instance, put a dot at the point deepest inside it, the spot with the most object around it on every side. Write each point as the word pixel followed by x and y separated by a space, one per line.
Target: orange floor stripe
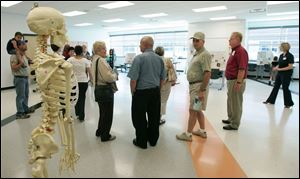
pixel 211 158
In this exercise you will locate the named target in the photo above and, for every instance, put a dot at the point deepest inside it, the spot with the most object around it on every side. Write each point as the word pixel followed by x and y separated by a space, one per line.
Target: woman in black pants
pixel 285 71
pixel 103 75
pixel 82 71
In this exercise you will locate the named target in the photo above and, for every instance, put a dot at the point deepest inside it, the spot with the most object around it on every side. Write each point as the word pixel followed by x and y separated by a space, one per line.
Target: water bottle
pixel 197 104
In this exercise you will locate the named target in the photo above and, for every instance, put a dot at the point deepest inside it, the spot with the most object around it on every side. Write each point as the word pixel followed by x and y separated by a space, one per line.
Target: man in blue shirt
pixel 146 73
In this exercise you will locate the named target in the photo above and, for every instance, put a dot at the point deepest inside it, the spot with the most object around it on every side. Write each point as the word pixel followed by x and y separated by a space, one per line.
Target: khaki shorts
pixel 194 92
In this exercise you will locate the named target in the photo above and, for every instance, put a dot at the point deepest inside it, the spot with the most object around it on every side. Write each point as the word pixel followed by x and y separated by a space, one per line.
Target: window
pixel 174 43
pixel 269 39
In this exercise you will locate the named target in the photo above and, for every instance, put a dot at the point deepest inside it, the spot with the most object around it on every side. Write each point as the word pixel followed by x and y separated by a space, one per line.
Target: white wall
pixel 89 36
pixel 218 33
pixel 10 23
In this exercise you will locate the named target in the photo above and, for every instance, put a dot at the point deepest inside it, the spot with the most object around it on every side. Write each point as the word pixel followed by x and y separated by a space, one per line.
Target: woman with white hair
pixel 166 86
pixel 284 76
pixel 103 77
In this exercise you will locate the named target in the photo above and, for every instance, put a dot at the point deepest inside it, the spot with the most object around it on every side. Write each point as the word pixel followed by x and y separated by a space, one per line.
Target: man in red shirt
pixel 235 73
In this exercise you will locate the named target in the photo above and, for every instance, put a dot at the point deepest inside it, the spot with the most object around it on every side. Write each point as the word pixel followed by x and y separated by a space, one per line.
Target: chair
pixel 252 67
pixel 267 68
pixel 216 74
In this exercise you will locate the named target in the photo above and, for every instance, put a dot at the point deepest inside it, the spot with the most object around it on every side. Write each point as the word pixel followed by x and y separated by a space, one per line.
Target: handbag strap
pixel 96 78
pixel 96 75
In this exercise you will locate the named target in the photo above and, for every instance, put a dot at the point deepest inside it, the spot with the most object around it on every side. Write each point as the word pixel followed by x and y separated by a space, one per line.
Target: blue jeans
pixel 22 90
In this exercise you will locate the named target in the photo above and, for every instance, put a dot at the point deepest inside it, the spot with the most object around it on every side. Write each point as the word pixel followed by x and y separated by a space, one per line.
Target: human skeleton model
pixel 58 87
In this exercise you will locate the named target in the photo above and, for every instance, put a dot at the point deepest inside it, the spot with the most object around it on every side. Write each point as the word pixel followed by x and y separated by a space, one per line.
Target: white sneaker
pixel 200 132
pixel 184 136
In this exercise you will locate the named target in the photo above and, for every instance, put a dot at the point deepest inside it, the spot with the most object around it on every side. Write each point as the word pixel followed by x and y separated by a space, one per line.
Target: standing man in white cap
pixel 198 75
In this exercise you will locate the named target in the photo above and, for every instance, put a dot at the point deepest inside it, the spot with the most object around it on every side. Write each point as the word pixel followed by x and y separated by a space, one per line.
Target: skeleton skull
pixel 48 21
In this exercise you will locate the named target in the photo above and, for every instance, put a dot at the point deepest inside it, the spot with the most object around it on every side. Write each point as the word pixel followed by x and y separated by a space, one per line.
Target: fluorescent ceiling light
pixel 116 5
pixel 207 9
pixel 222 18
pixel 113 20
pixel 83 24
pixel 154 15
pixel 283 13
pixel 280 2
pixel 9 3
pixel 73 13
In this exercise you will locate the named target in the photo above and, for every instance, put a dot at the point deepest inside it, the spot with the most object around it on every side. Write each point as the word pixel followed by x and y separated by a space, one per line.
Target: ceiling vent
pixel 258 10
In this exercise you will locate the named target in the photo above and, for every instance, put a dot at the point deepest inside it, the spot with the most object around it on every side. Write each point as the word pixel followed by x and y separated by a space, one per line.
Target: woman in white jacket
pixel 104 77
pixel 169 81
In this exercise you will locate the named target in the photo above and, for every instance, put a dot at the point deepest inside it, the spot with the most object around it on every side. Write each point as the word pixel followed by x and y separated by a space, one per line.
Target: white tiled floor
pixel 294 85
pixel 8 101
pixel 266 145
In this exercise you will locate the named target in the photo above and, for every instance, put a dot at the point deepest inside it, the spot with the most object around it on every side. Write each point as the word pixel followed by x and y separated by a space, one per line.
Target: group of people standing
pixel 150 90
pixel 151 78
pixel 198 75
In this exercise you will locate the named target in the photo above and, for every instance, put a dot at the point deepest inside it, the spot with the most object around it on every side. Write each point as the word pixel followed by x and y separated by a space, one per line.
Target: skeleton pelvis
pixel 44 145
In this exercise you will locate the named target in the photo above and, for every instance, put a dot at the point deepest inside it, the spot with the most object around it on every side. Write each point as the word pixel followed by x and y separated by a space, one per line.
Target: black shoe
pixel 29 111
pixel 152 144
pixel 97 133
pixel 22 116
pixel 228 127
pixel 269 83
pixel 111 137
pixel 266 102
pixel 226 121
pixel 136 144
pixel 288 106
pixel 162 121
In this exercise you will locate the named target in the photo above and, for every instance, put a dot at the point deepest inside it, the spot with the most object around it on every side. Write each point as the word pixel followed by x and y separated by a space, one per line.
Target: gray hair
pixel 239 35
pixel 98 45
pixel 160 51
